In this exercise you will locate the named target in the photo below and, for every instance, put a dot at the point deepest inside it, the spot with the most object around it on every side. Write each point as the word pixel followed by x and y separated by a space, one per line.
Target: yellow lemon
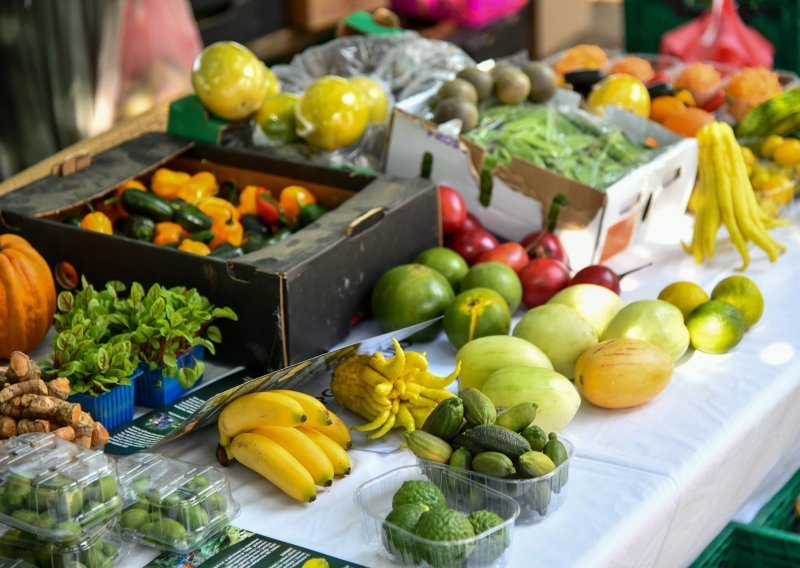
pixel 788 152
pixel 276 117
pixel 770 144
pixel 273 84
pixel 331 113
pixel 377 101
pixel 685 296
pixel 229 80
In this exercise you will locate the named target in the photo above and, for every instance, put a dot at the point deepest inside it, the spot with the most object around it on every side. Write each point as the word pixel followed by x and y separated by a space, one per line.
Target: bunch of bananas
pixel 288 437
pixel 395 392
pixel 726 196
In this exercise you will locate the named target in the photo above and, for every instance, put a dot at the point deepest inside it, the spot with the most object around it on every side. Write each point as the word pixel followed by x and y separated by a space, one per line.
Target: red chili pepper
pixel 268 209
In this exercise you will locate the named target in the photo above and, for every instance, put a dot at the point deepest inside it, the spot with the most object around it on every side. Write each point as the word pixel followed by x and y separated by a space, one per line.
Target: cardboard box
pixel 317 15
pixel 562 24
pixel 295 299
pixel 596 225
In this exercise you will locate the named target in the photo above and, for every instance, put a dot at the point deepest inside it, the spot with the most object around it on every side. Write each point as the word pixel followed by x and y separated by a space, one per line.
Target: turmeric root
pixel 51 408
pixel 34 386
pixel 22 368
pixel 15 406
pixel 84 425
pixel 85 441
pixel 8 427
pixel 99 435
pixel 58 388
pixel 65 433
pixel 26 425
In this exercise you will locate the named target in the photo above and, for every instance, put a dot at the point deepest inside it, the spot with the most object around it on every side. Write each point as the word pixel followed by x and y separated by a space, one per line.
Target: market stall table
pixel 651 486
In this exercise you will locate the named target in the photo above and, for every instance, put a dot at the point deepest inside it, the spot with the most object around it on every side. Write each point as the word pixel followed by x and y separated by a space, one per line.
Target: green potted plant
pixel 90 351
pixel 170 329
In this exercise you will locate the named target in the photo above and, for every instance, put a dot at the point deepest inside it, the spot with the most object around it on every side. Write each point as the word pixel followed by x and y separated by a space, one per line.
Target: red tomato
pixel 511 254
pixel 470 244
pixel 597 274
pixel 541 279
pixel 453 209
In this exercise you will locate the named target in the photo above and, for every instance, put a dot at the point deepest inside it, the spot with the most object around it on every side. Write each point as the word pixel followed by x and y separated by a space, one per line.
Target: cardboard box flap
pixel 55 194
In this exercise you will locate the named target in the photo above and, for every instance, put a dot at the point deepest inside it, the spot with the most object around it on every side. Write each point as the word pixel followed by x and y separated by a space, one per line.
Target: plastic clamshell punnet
pixel 55 489
pixel 101 547
pixel 491 548
pixel 173 505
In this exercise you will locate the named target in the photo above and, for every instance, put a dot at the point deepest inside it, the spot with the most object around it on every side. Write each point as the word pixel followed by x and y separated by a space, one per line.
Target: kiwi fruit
pixel 453 107
pixel 481 80
pixel 543 81
pixel 459 89
pixel 512 86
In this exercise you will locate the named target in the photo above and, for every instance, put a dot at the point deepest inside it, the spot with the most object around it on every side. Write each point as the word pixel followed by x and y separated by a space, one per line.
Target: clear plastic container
pixel 55 489
pixel 490 548
pixel 101 547
pixel 537 497
pixel 173 505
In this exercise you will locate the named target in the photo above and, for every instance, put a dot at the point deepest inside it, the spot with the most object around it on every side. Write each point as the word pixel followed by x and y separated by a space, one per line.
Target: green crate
pixel 778 20
pixel 779 512
pixel 741 546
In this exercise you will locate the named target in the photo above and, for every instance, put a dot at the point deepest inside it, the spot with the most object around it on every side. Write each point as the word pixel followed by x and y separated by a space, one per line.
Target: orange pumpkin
pixel 27 296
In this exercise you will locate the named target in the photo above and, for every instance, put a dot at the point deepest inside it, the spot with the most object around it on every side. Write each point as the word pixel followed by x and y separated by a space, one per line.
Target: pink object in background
pixel 719 35
pixel 473 13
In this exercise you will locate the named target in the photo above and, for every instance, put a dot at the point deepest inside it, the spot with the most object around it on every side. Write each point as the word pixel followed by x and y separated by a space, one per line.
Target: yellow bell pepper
pixel 167 183
pixel 227 231
pixel 219 209
pixel 200 185
pixel 98 222
pixel 195 247
pixel 168 233
pixel 248 200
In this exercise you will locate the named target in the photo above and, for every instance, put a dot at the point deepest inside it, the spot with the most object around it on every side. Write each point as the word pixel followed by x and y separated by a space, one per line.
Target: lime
pixel 229 80
pixel 685 296
pixel 377 102
pixel 715 327
pixel 741 293
pixel 276 118
pixel 331 113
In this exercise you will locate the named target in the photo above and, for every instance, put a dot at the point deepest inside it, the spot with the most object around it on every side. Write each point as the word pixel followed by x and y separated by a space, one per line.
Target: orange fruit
pixel 698 77
pixel 662 107
pixel 688 121
pixel 636 66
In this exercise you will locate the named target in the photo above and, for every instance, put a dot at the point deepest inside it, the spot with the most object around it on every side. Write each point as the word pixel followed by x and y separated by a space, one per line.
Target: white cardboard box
pixel 598 224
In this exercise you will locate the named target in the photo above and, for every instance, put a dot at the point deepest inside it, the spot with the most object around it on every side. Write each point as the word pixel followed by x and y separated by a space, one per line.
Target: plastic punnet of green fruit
pixel 100 547
pixel 474 524
pixel 55 489
pixel 173 505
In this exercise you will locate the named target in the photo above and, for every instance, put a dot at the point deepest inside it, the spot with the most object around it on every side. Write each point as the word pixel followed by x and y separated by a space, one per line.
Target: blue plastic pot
pixel 154 390
pixel 112 409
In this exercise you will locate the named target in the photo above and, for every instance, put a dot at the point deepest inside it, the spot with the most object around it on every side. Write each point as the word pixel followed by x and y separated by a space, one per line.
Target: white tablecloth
pixel 651 486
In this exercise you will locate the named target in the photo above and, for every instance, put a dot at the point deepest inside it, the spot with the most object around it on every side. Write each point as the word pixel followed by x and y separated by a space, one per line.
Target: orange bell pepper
pixel 168 233
pixel 195 247
pixel 130 184
pixel 219 209
pixel 200 185
pixel 167 183
pixel 248 200
pixel 99 222
pixel 292 199
pixel 229 231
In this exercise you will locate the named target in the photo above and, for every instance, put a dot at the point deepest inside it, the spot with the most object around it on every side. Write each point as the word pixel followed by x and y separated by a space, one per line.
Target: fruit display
pixel 779 115
pixel 174 505
pixel 772 164
pixel 200 215
pixel 290 438
pixel 55 489
pixel 749 87
pixel 28 296
pixel 434 515
pixel 725 196
pixel 394 392
pixel 100 548
pixel 507 452
pixel 30 404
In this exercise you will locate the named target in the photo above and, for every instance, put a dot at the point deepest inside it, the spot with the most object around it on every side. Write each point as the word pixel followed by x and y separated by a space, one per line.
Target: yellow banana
pixel 337 431
pixel 335 453
pixel 268 458
pixel 317 412
pixel 255 409
pixel 303 450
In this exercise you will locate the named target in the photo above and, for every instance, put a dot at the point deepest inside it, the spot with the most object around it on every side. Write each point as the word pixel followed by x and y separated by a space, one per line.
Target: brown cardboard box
pixel 316 15
pixel 559 24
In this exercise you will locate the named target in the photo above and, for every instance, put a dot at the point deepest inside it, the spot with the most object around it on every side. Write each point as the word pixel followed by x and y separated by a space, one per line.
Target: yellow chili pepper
pixel 167 183
pixel 168 233
pixel 229 231
pixel 200 185
pixel 98 222
pixel 195 247
pixel 219 209
pixel 248 200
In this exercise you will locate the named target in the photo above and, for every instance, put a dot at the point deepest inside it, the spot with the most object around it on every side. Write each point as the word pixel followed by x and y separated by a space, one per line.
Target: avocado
pixel 543 81
pixel 444 525
pixel 449 109
pixel 418 491
pixel 512 86
pixel 481 80
pixel 460 89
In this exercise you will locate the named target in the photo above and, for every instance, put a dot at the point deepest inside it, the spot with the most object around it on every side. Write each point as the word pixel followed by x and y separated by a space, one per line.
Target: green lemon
pixel 741 293
pixel 276 118
pixel 715 327
pixel 685 296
